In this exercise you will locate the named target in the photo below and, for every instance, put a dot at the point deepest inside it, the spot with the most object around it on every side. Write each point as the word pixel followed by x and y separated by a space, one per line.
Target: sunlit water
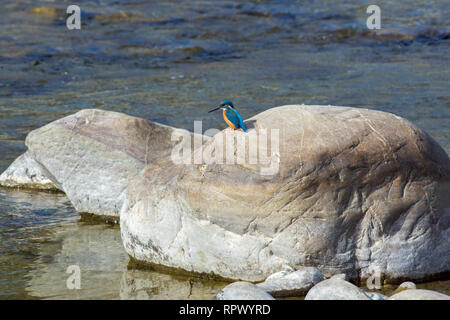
pixel 170 62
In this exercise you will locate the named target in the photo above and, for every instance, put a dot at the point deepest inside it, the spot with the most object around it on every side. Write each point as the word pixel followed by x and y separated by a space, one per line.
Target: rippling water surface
pixel 170 61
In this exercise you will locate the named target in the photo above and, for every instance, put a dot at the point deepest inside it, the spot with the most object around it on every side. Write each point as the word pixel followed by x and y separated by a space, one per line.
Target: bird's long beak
pixel 215 109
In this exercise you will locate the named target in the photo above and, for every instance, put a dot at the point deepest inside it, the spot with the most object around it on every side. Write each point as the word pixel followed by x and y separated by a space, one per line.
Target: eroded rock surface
pixel 93 155
pixel 353 191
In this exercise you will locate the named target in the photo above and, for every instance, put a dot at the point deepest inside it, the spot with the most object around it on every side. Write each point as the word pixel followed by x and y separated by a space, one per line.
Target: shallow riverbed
pixel 170 62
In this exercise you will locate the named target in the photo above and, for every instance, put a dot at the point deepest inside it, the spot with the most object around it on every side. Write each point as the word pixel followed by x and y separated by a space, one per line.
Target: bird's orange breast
pixel 228 121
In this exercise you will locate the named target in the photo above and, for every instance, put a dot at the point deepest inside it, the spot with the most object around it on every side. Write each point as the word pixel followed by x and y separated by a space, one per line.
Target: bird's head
pixel 227 104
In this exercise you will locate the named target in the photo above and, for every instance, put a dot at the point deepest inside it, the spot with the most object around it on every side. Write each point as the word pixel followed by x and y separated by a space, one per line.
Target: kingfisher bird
pixel 230 115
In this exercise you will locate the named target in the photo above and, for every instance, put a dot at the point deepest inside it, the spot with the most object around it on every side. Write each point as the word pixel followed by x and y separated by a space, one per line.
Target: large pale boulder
pixel 93 155
pixel 346 190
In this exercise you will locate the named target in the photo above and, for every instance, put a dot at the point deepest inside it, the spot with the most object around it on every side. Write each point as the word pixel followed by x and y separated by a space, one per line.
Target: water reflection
pixel 27 219
pixel 98 251
pixel 148 285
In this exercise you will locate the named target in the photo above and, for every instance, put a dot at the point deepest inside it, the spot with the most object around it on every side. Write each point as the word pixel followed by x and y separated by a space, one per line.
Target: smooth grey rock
pixel 419 294
pixel 93 155
pixel 25 172
pixel 287 268
pixel 336 289
pixel 356 190
pixel 407 285
pixel 376 296
pixel 296 283
pixel 243 291
pixel 341 276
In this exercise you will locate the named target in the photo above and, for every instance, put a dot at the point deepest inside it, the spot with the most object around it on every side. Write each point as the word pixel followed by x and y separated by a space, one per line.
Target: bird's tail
pixel 241 122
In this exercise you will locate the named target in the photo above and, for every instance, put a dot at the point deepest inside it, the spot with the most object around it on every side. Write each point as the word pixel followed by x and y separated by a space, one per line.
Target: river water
pixel 170 61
